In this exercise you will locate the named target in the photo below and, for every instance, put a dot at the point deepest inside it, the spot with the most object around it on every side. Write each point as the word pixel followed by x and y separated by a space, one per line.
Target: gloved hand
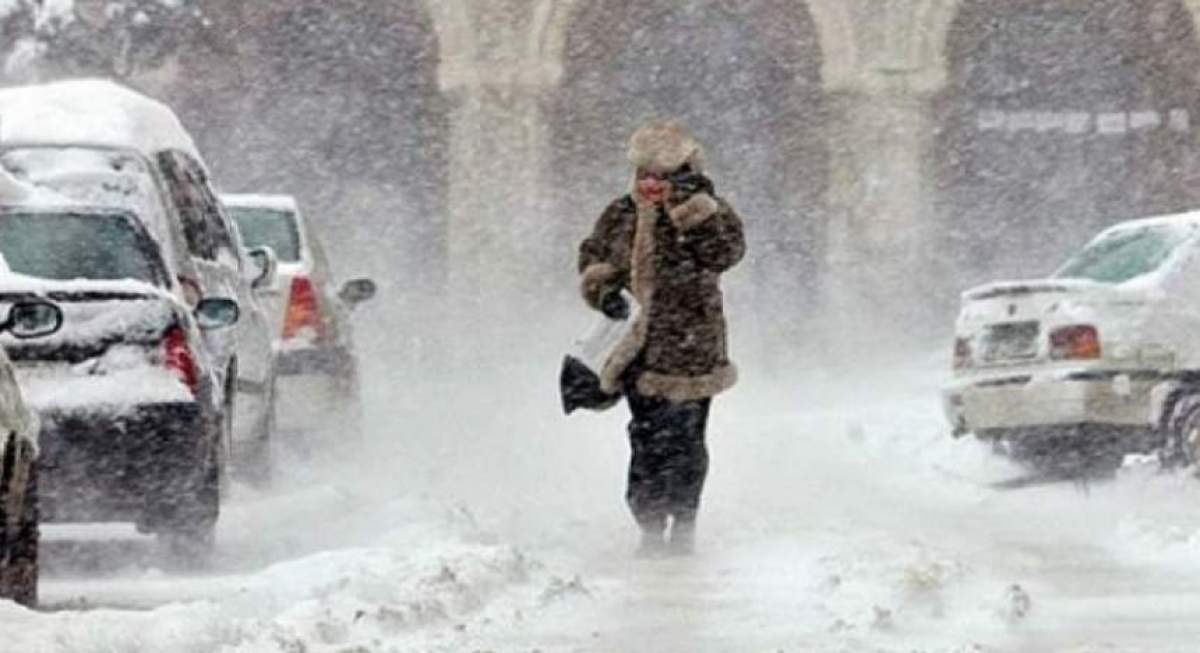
pixel 684 183
pixel 614 306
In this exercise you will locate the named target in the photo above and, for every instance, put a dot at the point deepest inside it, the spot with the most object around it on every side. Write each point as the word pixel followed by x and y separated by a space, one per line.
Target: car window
pixel 65 246
pixel 215 220
pixel 1126 254
pixel 187 194
pixel 270 227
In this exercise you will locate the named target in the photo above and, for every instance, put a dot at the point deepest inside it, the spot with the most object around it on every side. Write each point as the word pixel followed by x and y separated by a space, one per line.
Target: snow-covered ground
pixel 839 516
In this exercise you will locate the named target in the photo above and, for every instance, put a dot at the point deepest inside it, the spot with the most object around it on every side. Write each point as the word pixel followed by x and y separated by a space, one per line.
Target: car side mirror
pixel 33 320
pixel 266 267
pixel 192 292
pixel 357 291
pixel 217 313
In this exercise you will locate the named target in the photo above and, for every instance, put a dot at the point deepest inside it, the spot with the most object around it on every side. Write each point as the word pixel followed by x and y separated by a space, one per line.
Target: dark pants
pixel 669 460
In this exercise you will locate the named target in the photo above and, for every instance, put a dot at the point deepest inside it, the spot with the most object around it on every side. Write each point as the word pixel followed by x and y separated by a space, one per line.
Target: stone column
pixel 497 155
pixel 881 265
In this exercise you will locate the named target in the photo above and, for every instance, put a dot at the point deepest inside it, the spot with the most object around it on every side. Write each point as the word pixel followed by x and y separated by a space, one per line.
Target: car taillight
pixel 962 353
pixel 303 310
pixel 1076 342
pixel 177 355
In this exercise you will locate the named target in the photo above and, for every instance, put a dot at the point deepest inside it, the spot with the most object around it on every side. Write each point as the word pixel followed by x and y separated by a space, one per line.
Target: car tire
pixel 256 465
pixel 189 540
pixel 1181 447
pixel 352 428
pixel 19 577
pixel 225 433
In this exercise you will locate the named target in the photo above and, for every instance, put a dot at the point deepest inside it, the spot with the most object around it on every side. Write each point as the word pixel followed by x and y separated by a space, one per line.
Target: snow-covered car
pixel 99 143
pixel 131 418
pixel 1101 358
pixel 18 453
pixel 318 369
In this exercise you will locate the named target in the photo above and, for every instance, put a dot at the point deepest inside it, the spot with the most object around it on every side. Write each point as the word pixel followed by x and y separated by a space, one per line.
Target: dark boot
pixel 683 537
pixel 652 545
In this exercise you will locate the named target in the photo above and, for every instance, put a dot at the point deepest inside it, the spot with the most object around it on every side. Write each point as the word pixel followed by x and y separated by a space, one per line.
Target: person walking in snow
pixel 667 242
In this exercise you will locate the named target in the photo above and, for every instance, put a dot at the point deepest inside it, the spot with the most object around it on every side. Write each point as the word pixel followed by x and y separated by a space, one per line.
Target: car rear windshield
pixel 1126 254
pixel 271 227
pixel 68 245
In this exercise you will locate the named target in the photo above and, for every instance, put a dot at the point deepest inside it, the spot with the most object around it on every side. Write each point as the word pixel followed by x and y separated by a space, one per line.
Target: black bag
pixel 579 387
pixel 579 380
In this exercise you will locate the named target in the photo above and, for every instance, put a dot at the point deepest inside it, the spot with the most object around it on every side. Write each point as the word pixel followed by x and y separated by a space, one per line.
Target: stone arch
pixel 551 20
pixel 1058 119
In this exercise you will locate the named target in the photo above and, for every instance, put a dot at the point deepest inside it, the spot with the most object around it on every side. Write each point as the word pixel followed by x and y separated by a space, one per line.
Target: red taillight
pixel 303 310
pixel 962 353
pixel 177 355
pixel 1076 342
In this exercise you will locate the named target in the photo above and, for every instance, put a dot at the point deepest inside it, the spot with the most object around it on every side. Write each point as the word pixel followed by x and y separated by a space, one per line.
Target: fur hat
pixel 664 146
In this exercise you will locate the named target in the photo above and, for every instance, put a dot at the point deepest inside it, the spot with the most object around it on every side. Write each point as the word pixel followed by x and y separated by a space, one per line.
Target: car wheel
pixel 1182 446
pixel 351 413
pixel 256 466
pixel 225 446
pixel 189 539
pixel 19 573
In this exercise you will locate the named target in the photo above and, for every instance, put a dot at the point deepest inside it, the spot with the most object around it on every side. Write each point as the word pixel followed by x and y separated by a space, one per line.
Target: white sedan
pixel 1102 356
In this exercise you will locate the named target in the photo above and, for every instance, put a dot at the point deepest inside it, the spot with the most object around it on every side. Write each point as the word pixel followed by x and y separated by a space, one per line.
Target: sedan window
pixel 1126 254
pixel 270 227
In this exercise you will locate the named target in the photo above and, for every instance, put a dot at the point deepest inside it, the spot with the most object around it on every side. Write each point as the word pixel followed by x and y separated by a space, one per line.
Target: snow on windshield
pixel 1127 254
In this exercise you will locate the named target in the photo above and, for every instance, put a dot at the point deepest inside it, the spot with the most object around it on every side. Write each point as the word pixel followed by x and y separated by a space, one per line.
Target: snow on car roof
pixel 1187 219
pixel 15 192
pixel 92 112
pixel 261 200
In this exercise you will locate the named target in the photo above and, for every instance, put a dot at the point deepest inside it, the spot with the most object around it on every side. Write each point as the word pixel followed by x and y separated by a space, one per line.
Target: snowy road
pixel 828 527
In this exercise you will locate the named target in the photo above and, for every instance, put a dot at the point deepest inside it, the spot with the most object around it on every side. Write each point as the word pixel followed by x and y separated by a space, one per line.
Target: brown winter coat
pixel 671 260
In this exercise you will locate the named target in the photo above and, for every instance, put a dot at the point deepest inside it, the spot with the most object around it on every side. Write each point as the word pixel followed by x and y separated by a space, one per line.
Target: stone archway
pixel 746 76
pixel 1060 118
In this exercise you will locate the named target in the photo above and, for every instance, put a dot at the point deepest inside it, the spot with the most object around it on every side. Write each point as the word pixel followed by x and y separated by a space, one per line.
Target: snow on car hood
pixel 116 392
pixel 93 311
pixel 99 359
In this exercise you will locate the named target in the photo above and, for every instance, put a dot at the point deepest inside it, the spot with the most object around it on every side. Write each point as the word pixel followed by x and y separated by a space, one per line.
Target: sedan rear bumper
pixel 1022 401
pixel 331 361
pixel 139 464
